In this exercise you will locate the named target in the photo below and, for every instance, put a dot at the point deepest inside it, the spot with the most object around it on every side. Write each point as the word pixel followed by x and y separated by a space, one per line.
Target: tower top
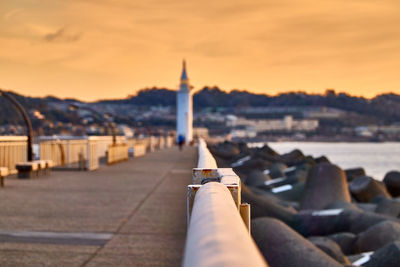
pixel 184 76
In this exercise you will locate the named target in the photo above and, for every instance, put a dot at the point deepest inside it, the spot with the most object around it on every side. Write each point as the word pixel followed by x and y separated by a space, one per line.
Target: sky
pixel 102 49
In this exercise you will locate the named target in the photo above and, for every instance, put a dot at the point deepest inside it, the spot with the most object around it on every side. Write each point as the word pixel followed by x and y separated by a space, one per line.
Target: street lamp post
pixel 100 117
pixel 28 123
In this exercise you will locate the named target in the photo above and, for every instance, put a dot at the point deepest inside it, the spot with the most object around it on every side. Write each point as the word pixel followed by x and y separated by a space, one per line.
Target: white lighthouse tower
pixel 184 109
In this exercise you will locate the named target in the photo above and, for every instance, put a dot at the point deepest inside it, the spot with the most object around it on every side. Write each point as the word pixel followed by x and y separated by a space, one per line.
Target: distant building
pixel 371 130
pixel 285 124
pixel 127 131
pixel 363 131
pixel 184 112
pixel 316 112
pixel 243 132
pixel 324 113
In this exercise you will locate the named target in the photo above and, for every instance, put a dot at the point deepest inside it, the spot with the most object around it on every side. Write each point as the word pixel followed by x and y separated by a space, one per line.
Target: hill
pixel 385 107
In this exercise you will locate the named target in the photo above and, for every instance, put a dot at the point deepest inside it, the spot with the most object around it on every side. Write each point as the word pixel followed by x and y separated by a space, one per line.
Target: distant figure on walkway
pixel 181 141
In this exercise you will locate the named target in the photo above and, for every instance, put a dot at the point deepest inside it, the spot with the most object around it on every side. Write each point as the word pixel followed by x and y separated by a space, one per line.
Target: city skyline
pixel 104 49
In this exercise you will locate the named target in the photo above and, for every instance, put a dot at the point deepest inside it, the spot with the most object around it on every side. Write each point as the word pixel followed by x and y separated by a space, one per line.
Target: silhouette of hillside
pixel 386 107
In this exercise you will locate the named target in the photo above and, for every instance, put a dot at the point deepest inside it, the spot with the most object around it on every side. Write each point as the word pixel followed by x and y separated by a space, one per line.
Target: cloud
pixel 281 44
pixel 63 36
pixel 12 14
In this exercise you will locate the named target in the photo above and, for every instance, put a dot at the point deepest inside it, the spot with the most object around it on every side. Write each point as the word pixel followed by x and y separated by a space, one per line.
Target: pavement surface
pixel 128 214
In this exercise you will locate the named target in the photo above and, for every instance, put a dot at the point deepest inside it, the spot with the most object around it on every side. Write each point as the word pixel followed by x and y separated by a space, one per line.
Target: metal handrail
pixel 206 160
pixel 217 235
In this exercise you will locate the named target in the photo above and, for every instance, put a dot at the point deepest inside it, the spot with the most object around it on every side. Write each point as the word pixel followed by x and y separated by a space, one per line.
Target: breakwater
pixel 307 211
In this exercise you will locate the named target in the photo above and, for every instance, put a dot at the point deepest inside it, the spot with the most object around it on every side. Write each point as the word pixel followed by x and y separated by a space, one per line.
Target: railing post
pixel 245 214
pixel 68 153
pixel 89 155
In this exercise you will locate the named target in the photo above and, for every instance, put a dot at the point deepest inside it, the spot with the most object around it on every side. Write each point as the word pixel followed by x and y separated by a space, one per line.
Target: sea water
pixel 376 158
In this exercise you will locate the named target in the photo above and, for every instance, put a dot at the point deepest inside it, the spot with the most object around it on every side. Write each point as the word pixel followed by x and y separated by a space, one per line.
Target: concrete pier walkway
pixel 128 214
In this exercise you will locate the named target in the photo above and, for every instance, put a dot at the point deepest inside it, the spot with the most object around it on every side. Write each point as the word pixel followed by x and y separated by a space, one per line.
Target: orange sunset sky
pixel 92 49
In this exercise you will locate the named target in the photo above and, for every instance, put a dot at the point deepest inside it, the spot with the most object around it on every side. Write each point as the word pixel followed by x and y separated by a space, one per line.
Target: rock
pixel 392 182
pixel 283 247
pixel 326 183
pixel 378 236
pixel 293 157
pixel 387 256
pixel 257 178
pixel 351 174
pixel 329 246
pixel 345 241
pixel 322 159
pixel 365 188
pixel 277 169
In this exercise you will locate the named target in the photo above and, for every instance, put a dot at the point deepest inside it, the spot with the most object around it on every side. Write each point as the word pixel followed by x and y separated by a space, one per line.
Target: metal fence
pixel 77 152
pixel 71 152
pixel 117 153
pixel 12 150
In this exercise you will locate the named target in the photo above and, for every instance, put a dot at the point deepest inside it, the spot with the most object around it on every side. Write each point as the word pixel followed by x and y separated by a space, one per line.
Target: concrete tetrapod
pixel 392 182
pixel 266 152
pixel 343 205
pixel 329 246
pixel 277 170
pixel 345 241
pixel 309 222
pixel 293 157
pixel 267 206
pixel 226 150
pixel 269 196
pixel 243 148
pixel 388 256
pixel 326 183
pixel 354 173
pixel 257 178
pixel 250 165
pixel 326 222
pixel 293 192
pixel 390 207
pixel 378 236
pixel 322 159
pixel 370 207
pixel 283 247
pixel 365 188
